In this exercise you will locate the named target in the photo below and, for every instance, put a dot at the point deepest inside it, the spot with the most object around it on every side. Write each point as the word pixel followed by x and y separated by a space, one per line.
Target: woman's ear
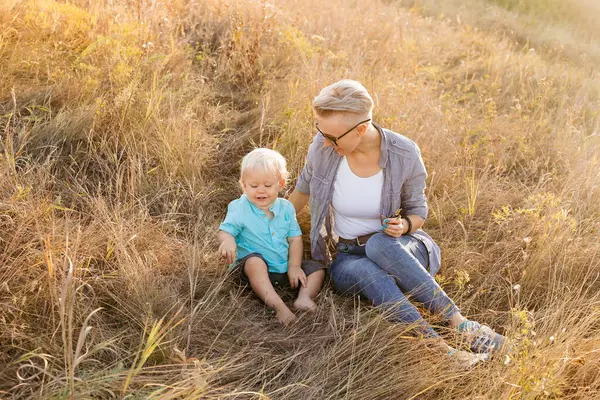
pixel 362 130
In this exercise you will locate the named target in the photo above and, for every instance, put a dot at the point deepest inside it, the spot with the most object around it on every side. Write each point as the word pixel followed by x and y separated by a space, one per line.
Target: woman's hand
pixel 227 250
pixel 296 274
pixel 394 227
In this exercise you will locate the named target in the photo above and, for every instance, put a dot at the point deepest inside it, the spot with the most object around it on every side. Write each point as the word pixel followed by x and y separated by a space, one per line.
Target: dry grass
pixel 122 127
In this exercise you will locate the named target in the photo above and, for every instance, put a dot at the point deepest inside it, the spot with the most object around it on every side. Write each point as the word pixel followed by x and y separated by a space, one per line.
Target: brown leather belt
pixel 359 241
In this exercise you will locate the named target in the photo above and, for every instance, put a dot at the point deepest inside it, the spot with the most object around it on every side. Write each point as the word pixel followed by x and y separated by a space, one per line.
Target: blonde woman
pixel 366 186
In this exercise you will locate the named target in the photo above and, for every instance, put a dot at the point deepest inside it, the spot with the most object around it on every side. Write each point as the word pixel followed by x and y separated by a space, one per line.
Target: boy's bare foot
pixel 305 303
pixel 285 316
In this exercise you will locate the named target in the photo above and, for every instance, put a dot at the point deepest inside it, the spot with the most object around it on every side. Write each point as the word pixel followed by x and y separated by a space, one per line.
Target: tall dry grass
pixel 123 124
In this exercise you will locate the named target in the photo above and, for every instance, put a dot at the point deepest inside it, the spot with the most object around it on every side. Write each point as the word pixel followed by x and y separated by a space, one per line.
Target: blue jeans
pixel 387 270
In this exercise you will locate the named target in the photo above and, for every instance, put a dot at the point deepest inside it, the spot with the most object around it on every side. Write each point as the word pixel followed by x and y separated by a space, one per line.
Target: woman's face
pixel 342 131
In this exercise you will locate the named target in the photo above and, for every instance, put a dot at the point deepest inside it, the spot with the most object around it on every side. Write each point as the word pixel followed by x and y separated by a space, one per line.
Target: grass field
pixel 122 125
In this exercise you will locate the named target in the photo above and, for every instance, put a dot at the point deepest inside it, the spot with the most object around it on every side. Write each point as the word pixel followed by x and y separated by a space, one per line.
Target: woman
pixel 367 186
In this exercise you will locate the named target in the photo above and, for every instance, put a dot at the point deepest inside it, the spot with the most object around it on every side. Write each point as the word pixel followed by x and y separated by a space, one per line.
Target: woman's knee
pixel 380 244
pixel 376 243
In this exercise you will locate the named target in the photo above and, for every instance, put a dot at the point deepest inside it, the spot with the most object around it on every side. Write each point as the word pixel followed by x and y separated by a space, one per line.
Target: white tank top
pixel 356 203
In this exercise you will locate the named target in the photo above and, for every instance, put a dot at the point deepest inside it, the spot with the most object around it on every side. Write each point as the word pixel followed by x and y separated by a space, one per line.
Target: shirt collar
pixel 383 157
pixel 274 208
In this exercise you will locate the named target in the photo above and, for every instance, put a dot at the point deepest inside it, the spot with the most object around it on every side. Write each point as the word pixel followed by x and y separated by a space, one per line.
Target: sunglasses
pixel 334 140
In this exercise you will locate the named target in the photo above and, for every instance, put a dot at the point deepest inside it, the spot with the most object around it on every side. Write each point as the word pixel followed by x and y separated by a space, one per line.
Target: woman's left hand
pixel 394 227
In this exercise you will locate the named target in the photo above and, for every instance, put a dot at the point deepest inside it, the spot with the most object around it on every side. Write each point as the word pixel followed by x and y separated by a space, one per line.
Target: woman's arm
pixel 417 223
pixel 299 200
pixel 414 201
pixel 301 193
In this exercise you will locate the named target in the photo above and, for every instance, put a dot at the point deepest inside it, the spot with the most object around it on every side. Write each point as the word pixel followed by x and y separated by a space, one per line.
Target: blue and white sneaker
pixel 481 338
pixel 466 359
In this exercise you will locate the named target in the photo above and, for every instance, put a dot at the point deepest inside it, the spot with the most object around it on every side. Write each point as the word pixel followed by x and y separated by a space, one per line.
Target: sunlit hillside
pixel 122 126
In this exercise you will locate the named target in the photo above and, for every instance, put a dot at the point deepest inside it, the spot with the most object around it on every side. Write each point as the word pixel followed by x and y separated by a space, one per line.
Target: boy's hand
pixel 296 274
pixel 227 250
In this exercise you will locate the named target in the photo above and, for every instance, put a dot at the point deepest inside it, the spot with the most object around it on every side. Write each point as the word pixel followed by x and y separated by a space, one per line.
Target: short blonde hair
pixel 264 161
pixel 343 96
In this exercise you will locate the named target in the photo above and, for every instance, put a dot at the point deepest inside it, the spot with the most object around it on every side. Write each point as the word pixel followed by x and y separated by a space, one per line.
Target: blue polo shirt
pixel 254 232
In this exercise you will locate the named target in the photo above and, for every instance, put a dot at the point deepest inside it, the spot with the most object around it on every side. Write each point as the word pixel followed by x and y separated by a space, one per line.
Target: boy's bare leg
pixel 314 282
pixel 257 273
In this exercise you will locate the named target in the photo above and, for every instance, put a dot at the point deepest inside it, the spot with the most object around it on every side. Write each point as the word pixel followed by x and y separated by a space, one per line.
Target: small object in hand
pixel 384 219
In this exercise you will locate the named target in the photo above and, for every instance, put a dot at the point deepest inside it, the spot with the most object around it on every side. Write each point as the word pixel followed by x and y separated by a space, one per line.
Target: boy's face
pixel 262 189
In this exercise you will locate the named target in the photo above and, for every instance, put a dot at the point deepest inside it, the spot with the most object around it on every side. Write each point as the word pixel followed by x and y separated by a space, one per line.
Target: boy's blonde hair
pixel 344 96
pixel 264 161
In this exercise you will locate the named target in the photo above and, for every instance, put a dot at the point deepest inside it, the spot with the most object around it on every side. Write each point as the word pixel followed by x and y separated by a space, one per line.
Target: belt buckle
pixel 358 242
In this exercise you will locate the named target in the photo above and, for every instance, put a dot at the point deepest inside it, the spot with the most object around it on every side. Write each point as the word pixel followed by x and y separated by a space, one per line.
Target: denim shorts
pixel 277 279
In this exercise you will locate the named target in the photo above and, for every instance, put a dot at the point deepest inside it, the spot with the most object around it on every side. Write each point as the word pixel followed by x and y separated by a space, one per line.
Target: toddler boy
pixel 261 235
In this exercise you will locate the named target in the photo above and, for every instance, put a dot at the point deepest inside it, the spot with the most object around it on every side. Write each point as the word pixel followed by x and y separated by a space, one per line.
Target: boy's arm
pixel 296 249
pixel 295 272
pixel 227 246
pixel 223 236
pixel 228 230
